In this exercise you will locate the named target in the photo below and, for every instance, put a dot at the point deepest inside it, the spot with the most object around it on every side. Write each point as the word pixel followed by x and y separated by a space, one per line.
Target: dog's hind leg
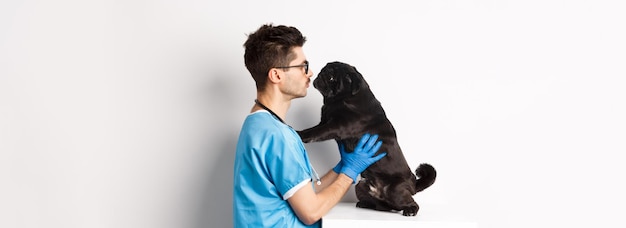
pixel 369 197
pixel 403 201
pixel 373 204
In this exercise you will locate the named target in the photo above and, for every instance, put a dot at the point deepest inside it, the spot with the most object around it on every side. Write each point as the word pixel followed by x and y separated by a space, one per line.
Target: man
pixel 274 182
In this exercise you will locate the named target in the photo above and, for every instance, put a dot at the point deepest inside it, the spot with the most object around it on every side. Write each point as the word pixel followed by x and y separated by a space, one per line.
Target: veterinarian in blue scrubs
pixel 274 182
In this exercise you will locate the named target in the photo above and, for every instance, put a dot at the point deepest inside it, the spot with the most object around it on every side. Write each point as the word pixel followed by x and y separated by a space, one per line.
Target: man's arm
pixel 326 180
pixel 310 206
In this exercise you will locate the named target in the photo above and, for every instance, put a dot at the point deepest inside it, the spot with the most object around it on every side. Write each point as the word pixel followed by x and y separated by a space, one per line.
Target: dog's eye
pixel 332 78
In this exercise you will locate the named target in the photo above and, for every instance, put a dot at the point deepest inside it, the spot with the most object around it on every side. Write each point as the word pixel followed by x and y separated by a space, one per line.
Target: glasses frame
pixel 305 65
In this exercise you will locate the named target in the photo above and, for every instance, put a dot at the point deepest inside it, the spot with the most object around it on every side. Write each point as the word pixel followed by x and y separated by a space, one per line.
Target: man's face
pixel 296 79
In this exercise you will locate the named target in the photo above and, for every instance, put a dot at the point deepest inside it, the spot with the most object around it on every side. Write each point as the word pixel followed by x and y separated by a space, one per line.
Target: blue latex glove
pixel 354 163
pixel 338 167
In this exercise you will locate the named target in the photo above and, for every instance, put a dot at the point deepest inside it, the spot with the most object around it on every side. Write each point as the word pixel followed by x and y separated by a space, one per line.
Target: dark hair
pixel 270 46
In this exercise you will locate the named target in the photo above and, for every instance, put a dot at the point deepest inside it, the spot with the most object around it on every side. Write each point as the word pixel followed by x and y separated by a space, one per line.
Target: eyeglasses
pixel 305 65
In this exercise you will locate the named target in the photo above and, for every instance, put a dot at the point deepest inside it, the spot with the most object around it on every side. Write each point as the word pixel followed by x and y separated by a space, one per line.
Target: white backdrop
pixel 125 114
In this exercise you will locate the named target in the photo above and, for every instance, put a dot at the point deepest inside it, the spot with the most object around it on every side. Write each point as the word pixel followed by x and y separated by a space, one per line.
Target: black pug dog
pixel 351 110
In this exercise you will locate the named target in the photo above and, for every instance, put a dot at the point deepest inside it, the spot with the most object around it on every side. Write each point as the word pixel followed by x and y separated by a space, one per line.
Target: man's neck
pixel 277 104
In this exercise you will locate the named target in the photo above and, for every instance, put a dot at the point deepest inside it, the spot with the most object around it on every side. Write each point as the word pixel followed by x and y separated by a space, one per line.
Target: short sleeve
pixel 287 164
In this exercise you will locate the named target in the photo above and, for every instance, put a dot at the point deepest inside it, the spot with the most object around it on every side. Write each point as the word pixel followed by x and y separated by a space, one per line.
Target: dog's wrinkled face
pixel 338 80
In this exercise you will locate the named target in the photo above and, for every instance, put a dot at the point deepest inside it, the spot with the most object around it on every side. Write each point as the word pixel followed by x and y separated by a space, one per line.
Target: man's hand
pixel 354 163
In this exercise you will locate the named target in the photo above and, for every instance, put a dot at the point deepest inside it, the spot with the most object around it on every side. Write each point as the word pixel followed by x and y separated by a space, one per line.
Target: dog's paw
pixel 410 211
pixel 363 204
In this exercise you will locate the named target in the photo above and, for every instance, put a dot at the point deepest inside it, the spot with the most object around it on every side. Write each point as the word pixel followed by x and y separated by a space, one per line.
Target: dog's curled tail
pixel 426 175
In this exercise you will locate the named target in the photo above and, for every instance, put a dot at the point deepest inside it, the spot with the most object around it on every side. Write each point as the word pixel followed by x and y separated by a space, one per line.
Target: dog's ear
pixel 356 79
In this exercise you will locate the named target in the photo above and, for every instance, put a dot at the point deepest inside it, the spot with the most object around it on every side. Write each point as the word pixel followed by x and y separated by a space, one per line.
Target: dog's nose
pixel 316 82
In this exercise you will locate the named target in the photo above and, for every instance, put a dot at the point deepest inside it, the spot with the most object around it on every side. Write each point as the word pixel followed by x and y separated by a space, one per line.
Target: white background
pixel 126 113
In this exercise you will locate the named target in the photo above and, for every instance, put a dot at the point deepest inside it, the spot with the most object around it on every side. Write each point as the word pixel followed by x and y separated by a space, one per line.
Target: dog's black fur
pixel 351 110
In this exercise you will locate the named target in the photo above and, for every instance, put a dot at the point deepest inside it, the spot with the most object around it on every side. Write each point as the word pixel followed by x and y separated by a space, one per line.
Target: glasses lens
pixel 306 67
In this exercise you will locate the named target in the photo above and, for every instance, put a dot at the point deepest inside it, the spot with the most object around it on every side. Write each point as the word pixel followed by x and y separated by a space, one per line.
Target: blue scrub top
pixel 271 164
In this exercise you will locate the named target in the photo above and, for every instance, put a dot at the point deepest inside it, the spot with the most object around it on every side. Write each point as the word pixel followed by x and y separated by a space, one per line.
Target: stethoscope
pixel 319 181
pixel 315 175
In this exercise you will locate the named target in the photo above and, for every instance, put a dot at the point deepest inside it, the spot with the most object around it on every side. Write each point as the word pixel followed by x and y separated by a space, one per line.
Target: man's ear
pixel 274 75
